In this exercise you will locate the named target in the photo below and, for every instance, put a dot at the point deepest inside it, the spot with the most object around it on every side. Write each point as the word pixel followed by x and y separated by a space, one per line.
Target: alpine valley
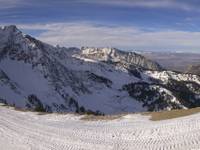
pixel 37 76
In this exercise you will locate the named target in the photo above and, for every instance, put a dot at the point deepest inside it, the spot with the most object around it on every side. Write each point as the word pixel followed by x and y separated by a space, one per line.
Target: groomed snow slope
pixel 27 130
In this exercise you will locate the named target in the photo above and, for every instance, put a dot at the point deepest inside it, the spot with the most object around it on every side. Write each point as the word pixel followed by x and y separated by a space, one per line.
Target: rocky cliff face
pixel 35 75
pixel 127 59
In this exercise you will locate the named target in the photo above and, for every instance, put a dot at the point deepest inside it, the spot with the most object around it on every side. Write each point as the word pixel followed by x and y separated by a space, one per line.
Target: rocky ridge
pixel 37 76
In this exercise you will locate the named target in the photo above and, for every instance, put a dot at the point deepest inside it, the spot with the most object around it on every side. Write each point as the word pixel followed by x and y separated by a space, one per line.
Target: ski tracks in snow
pixel 29 131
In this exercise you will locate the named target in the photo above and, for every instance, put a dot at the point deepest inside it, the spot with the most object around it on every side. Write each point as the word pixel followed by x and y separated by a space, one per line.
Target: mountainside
pixel 127 59
pixel 41 77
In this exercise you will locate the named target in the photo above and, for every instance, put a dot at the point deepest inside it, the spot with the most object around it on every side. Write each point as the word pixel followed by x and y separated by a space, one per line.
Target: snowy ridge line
pixel 27 130
pixel 37 76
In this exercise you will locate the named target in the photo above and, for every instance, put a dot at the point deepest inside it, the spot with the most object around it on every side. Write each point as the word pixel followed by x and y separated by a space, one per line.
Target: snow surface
pixel 24 76
pixel 93 78
pixel 30 131
pixel 166 75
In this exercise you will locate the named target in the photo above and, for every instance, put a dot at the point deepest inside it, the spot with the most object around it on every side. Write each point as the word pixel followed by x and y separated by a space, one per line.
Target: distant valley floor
pixel 175 61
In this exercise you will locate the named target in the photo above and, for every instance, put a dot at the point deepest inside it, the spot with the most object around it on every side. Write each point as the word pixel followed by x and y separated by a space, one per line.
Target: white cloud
pixel 88 34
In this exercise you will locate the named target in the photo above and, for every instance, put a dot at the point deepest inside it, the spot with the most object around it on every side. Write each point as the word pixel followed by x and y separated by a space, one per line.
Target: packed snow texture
pixel 28 130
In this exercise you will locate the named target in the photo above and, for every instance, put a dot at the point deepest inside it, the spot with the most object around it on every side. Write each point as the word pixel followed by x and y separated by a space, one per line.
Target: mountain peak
pixel 10 28
pixel 93 50
pixel 117 56
pixel 8 32
pixel 38 76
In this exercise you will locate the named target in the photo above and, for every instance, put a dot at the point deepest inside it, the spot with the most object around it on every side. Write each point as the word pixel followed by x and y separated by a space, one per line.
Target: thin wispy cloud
pixel 176 4
pixel 5 4
pixel 128 37
pixel 127 24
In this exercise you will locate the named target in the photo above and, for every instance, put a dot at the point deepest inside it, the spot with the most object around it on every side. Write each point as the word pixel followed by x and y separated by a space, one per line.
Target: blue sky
pixel 152 25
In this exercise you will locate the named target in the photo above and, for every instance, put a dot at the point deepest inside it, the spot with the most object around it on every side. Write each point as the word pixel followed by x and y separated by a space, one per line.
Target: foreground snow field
pixel 28 130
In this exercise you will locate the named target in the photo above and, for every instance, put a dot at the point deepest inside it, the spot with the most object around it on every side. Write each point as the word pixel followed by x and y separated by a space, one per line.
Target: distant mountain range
pixel 37 76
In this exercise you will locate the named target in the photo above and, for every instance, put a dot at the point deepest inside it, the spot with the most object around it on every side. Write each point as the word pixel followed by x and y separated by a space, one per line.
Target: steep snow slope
pixel 26 130
pixel 49 78
pixel 38 76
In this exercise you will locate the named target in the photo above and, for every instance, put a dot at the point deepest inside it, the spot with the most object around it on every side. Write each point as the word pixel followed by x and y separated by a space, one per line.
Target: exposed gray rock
pixel 41 77
pixel 113 55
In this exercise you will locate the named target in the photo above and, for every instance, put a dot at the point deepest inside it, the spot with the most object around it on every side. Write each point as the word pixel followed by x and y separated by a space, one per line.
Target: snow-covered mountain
pixel 127 59
pixel 42 77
